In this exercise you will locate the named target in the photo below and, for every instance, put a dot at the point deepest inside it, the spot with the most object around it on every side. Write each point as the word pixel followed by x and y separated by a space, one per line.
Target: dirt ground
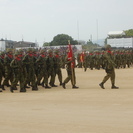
pixel 88 109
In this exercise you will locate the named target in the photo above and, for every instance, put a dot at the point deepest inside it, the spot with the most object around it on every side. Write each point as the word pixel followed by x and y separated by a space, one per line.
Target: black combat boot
pixel 63 85
pixel 47 87
pixel 42 84
pixel 11 89
pixel 0 90
pixel 75 87
pixel 60 83
pixel 27 86
pixel 8 85
pixel 15 88
pixel 22 90
pixel 114 87
pixel 53 85
pixel 102 85
pixel 3 88
pixel 34 89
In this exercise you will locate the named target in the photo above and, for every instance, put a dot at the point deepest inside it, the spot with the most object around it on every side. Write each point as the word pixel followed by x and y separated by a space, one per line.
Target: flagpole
pixel 72 69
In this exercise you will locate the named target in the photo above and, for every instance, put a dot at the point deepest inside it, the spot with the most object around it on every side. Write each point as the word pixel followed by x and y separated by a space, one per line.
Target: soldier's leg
pixel 46 81
pixel 7 77
pixel 52 80
pixel 60 76
pixel 14 82
pixel 39 77
pixel 25 75
pixel 73 79
pixel 6 80
pixel 0 78
pixel 112 77
pixel 22 83
pixel 69 77
pixel 108 74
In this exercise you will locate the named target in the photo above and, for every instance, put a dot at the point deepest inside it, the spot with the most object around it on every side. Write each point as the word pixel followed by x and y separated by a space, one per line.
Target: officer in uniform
pixel 109 68
pixel 70 67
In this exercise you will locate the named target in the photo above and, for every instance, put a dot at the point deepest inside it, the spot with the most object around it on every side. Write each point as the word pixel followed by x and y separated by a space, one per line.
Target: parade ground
pixel 88 109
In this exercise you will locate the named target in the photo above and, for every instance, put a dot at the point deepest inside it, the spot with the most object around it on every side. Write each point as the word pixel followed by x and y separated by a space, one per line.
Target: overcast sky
pixel 41 20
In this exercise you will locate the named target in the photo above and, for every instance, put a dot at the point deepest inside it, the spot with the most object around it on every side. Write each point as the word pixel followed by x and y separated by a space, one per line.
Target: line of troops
pixel 30 69
pixel 97 60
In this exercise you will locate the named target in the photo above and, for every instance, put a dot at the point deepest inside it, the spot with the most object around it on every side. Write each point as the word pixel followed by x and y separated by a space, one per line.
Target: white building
pixel 2 45
pixel 117 39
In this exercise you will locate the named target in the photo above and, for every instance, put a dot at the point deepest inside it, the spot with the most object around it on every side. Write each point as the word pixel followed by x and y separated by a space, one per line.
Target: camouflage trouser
pixel 31 76
pixel 71 76
pixel 18 77
pixel 51 75
pixel 8 76
pixel 59 73
pixel 0 77
pixel 111 75
pixel 42 74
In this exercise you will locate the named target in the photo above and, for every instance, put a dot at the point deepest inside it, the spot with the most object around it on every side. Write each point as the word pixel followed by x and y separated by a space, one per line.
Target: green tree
pixel 62 39
pixel 129 33
pixel 46 44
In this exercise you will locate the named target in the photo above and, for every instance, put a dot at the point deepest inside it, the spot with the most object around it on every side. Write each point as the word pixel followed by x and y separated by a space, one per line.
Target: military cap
pixel 16 53
pixel 42 51
pixel 2 53
pixel 21 50
pixel 108 46
pixel 50 51
pixel 29 49
pixel 56 51
pixel 9 50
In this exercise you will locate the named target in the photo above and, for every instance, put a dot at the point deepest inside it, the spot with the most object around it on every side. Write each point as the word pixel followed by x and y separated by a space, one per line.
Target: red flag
pixel 70 55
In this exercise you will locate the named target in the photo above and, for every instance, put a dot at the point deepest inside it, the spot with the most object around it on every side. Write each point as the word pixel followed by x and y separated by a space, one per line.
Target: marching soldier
pixel 28 60
pixel 57 66
pixel 42 69
pixel 8 71
pixel 109 68
pixel 1 66
pixel 70 67
pixel 17 68
pixel 51 71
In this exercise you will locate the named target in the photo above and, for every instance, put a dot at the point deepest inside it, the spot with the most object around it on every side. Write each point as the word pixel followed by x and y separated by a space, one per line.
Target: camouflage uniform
pixel 51 69
pixel 2 72
pixel 8 71
pixel 70 72
pixel 28 61
pixel 57 66
pixel 1 66
pixel 91 60
pixel 109 69
pixel 17 68
pixel 42 69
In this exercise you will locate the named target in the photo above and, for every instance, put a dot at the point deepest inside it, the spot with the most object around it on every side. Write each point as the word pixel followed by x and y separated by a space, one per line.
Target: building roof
pixel 116 33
